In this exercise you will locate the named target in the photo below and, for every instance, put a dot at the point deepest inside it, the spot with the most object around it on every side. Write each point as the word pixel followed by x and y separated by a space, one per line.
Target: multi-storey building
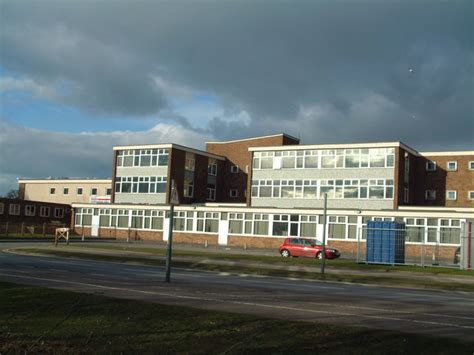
pixel 65 191
pixel 143 174
pixel 286 183
pixel 239 161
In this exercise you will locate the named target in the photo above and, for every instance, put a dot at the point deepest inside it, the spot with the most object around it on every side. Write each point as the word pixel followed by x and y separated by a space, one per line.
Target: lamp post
pixel 323 259
pixel 174 200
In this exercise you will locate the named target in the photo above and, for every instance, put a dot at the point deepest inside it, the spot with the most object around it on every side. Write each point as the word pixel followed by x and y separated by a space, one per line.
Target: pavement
pixel 437 313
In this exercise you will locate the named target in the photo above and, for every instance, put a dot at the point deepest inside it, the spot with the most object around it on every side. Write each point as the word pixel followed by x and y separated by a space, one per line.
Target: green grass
pixel 40 320
pixel 261 270
pixel 338 263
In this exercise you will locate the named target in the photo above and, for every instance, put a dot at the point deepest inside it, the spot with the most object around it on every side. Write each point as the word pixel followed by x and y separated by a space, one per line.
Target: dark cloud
pixel 329 71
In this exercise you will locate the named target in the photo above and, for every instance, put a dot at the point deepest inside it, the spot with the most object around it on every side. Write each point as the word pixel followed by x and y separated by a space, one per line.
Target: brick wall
pixel 237 153
pixel 442 180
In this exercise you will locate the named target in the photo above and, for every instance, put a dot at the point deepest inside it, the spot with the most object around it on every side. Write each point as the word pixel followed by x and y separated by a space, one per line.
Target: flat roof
pixel 453 153
pixel 254 138
pixel 336 146
pixel 168 146
pixel 64 181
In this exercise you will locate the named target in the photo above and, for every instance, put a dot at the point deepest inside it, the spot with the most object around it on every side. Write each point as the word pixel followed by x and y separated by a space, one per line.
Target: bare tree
pixel 14 194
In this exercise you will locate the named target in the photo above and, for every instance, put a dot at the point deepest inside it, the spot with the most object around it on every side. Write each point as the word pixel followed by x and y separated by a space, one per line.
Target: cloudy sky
pixel 77 77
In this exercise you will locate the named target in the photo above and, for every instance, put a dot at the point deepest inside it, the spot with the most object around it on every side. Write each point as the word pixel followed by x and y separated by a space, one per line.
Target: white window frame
pixel 470 165
pixel 233 193
pixel 2 207
pixel 430 166
pixel 455 165
pixel 234 169
pixel 52 191
pixel 30 210
pixel 44 211
pixel 14 209
pixel 65 190
pixel 81 191
pixel 469 197
pixel 455 195
pixel 58 212
pixel 429 198
pixel 212 169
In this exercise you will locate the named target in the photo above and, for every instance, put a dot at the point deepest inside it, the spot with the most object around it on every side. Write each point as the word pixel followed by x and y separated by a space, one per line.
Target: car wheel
pixel 285 253
pixel 319 255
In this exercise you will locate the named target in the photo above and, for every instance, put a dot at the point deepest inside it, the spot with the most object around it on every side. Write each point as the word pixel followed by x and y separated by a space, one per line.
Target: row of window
pixel 450 165
pixel 452 195
pixel 335 189
pixel 14 209
pixel 142 157
pixel 427 230
pixel 80 191
pixel 140 184
pixel 325 159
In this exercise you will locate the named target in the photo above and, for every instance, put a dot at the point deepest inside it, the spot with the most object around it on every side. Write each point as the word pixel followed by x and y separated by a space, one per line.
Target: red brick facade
pixel 237 153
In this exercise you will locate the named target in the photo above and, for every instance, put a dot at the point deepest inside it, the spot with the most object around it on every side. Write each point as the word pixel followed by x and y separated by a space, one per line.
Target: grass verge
pixel 40 320
pixel 261 270
pixel 338 263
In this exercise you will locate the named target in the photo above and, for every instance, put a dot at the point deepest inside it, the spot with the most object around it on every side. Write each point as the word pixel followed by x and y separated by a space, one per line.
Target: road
pixel 438 313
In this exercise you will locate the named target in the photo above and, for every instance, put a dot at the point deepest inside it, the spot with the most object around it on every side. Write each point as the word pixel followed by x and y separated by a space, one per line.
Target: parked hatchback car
pixel 306 248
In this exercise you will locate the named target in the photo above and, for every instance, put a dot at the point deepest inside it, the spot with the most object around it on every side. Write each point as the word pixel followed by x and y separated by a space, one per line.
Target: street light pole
pixel 173 201
pixel 323 260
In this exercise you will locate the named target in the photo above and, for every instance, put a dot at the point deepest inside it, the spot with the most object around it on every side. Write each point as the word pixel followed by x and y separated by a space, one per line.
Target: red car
pixel 306 248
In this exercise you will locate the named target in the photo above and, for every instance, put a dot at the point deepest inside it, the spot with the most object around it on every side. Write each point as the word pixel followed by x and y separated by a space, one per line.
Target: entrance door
pixel 95 226
pixel 223 232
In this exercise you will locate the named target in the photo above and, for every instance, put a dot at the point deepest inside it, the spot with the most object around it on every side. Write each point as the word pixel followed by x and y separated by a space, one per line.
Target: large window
pixel 212 167
pixel 188 188
pixel 335 189
pixel 142 157
pixel 140 184
pixel 325 159
pixel 236 223
pixel 207 222
pixel 189 162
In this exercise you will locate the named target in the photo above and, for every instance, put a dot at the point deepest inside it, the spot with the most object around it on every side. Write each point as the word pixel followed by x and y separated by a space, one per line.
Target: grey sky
pixel 326 71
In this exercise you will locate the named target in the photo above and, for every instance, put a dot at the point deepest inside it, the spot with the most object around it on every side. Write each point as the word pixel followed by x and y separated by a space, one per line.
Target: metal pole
pixel 170 242
pixel 323 260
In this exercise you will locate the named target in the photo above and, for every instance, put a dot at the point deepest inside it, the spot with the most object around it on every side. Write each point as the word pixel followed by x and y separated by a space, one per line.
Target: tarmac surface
pixel 437 313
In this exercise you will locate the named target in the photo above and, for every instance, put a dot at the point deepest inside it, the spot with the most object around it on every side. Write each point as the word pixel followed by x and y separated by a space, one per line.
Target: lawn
pixel 40 320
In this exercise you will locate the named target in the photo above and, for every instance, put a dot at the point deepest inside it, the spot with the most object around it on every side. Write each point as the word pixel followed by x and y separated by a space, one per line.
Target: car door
pixel 307 249
pixel 295 247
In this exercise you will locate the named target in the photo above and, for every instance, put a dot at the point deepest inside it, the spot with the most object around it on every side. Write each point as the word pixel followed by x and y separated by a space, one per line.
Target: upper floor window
pixel 234 169
pixel 2 207
pixel 30 210
pixel 14 209
pixel 44 211
pixel 233 193
pixel 52 190
pixel 189 162
pixel 212 167
pixel 94 191
pixel 188 188
pixel 108 191
pixel 430 166
pixel 66 191
pixel 211 192
pixel 452 165
pixel 471 165
pixel 470 195
pixel 79 190
pixel 430 195
pixel 451 195
pixel 142 157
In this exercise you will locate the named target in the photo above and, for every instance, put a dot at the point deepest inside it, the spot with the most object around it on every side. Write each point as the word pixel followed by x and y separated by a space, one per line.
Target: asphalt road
pixel 438 313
